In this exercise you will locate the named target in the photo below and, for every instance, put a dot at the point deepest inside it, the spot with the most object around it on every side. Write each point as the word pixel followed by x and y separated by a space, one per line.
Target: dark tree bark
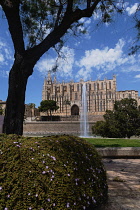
pixel 15 104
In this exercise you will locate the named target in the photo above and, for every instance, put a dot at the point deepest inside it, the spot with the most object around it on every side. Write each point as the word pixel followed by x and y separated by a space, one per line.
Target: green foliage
pixel 123 121
pixel 57 172
pixel 112 125
pixel 48 105
pixel 99 128
pixel 1 110
pixel 136 47
pixel 41 17
pixel 37 18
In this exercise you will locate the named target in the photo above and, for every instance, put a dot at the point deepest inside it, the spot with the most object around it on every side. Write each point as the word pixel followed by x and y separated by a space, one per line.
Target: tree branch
pixel 78 14
pixel 12 14
pixel 68 19
pixel 58 14
pixel 88 3
pixel 69 7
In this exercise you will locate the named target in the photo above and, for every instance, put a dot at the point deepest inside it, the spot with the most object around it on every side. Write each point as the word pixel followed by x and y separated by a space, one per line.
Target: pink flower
pixel 68 205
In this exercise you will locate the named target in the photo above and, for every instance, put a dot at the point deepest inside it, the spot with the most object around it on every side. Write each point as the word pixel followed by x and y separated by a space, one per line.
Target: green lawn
pixel 114 142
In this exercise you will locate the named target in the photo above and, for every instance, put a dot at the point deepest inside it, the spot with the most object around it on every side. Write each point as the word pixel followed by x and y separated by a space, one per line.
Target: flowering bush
pixel 46 173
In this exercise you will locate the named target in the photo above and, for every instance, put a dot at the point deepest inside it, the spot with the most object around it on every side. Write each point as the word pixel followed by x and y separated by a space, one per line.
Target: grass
pixel 97 142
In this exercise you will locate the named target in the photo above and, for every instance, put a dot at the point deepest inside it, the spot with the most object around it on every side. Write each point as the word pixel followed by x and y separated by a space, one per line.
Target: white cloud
pixel 83 74
pixel 137 76
pixel 121 4
pixel 85 27
pixel 77 43
pixel 97 15
pixel 45 65
pixel 5 53
pixel 1 58
pixel 85 21
pixel 106 60
pixel 104 57
pixel 132 9
pixel 6 58
pixel 65 63
pixel 132 68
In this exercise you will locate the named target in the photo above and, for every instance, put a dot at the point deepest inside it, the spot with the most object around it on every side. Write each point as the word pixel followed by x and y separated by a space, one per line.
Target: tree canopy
pixel 123 121
pixel 40 18
pixel 48 106
pixel 1 110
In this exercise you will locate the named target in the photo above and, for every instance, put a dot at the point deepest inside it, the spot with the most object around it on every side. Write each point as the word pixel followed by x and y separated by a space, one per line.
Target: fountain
pixel 84 126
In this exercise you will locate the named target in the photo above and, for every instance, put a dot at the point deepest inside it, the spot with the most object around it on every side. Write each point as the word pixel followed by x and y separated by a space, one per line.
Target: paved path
pixel 124 193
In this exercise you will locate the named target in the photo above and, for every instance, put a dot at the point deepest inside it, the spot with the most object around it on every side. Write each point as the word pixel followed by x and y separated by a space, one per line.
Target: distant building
pixel 30 111
pixel 2 106
pixel 101 95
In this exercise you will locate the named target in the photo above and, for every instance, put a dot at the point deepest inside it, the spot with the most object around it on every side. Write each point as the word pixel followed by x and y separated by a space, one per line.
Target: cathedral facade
pixel 101 95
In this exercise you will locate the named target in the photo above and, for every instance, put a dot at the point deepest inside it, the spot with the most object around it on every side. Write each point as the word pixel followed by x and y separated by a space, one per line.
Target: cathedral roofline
pixel 49 78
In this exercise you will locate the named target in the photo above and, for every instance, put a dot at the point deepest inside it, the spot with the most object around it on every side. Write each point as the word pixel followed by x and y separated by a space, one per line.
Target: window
pixel 100 106
pixel 109 94
pixel 64 88
pixel 102 85
pixel 76 96
pixel 103 106
pixel 109 85
pixel 58 89
pixel 129 96
pixel 89 86
pixel 101 95
pixel 72 87
pixel 78 87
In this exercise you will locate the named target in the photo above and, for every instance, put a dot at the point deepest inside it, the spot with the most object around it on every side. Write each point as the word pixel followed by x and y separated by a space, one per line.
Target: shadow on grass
pixel 109 145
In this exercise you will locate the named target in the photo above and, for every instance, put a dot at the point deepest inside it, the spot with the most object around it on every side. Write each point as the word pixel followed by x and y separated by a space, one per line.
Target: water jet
pixel 84 126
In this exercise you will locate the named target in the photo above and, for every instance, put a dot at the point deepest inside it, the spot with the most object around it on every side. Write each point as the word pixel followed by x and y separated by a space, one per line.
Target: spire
pixel 49 75
pixel 55 81
pixel 45 82
pixel 114 77
pixel 49 79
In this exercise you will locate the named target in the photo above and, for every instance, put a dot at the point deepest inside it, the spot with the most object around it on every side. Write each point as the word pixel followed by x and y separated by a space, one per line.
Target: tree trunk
pixel 15 104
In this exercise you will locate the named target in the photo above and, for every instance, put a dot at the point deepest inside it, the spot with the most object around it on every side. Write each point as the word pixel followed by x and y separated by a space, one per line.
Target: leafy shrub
pixel 123 121
pixel 99 128
pixel 57 172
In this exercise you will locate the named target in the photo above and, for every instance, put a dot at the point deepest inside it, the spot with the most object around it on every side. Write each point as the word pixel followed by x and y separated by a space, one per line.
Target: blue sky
pixel 99 54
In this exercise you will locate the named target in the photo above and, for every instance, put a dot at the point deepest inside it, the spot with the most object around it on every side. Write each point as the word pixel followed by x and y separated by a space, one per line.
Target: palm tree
pixel 67 102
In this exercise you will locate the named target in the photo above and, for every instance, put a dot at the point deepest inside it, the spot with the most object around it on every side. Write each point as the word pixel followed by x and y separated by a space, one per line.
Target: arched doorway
pixel 74 110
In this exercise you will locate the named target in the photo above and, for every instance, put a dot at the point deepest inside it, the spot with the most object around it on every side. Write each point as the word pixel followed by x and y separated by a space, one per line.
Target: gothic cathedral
pixel 101 95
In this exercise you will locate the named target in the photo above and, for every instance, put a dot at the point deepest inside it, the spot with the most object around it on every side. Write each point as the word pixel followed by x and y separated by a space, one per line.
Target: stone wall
pixel 57 127
pixel 91 118
pixel 1 123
